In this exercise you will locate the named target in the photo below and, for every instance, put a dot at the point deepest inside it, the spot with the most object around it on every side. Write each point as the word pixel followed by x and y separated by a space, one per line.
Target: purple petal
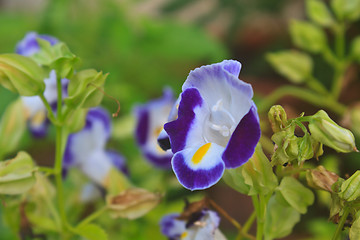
pixel 142 126
pixel 118 161
pixel 98 115
pixel 159 161
pixel 179 129
pixel 243 141
pixel 171 227
pixel 196 178
pixel 29 45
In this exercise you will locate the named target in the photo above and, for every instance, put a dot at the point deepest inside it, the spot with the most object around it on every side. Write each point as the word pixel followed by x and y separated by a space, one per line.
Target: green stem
pixel 339 64
pixel 303 94
pixel 93 216
pixel 249 222
pixel 47 170
pixel 58 176
pixel 49 110
pixel 341 223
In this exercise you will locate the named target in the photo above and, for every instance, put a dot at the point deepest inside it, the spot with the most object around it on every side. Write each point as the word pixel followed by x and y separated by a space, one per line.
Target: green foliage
pixel 58 57
pixel 278 118
pixel 21 75
pixel 280 219
pixel 355 49
pixel 295 194
pixel 83 89
pixel 346 10
pixel 319 13
pixel 287 146
pixel 17 175
pixel 91 232
pixel 294 65
pixel 355 228
pixel 350 189
pixel 254 177
pixel 12 127
pixel 308 36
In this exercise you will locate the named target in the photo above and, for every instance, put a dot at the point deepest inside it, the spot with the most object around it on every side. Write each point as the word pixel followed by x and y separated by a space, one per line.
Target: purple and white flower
pixel 203 227
pixel 36 111
pixel 150 121
pixel 217 125
pixel 86 148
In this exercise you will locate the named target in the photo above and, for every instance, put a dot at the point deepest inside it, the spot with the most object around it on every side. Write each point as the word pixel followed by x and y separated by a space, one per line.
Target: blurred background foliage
pixel 148 44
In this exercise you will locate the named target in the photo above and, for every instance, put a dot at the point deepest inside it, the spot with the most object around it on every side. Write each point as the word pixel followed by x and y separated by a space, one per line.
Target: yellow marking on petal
pixel 200 153
pixel 184 235
pixel 159 149
pixel 39 118
pixel 157 131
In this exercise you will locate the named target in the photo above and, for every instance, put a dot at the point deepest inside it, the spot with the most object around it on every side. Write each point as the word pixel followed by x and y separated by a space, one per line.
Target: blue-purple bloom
pixel 217 125
pixel 150 121
pixel 86 148
pixel 36 111
pixel 204 227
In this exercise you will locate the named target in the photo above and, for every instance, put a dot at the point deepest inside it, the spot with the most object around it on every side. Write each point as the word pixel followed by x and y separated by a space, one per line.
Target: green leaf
pixel 12 127
pixel 355 49
pixel 279 220
pixel 235 179
pixel 17 175
pixel 258 173
pixel 308 36
pixel 21 75
pixel 294 65
pixel 355 228
pixel 83 89
pixel 297 196
pixel 91 232
pixel 319 13
pixel 346 9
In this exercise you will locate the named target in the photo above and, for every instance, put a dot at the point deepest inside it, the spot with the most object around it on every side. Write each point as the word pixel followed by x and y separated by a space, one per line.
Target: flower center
pixel 221 124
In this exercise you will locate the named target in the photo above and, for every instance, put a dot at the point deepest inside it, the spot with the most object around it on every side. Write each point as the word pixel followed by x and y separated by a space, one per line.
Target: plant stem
pixel 58 175
pixel 92 216
pixel 49 110
pixel 339 64
pixel 249 222
pixel 341 223
pixel 303 94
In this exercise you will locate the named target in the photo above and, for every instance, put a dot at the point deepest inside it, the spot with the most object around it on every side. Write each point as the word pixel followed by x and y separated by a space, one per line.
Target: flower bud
pixel 277 117
pixel 286 146
pixel 320 178
pixel 132 203
pixel 17 175
pixel 21 75
pixel 350 189
pixel 327 132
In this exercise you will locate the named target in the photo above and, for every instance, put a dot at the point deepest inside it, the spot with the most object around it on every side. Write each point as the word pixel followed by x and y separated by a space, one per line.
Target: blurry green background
pixel 148 44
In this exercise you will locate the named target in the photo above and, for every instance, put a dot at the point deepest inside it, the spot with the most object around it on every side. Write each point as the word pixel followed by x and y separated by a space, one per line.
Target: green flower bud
pixel 327 132
pixel 277 117
pixel 350 189
pixel 286 146
pixel 21 75
pixel 320 178
pixel 83 89
pixel 17 175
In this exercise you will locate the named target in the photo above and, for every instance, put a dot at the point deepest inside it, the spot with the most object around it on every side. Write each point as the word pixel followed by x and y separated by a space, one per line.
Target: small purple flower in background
pixel 203 226
pixel 38 122
pixel 29 45
pixel 217 125
pixel 86 148
pixel 150 121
